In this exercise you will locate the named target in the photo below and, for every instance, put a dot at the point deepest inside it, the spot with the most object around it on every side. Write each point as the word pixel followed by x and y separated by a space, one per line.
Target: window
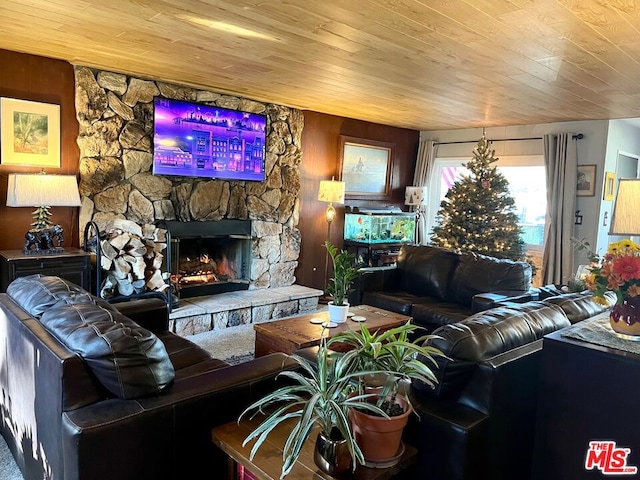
pixel 527 185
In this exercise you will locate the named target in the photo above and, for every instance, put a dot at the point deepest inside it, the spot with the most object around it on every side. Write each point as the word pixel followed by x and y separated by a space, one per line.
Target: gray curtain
pixel 424 167
pixel 561 163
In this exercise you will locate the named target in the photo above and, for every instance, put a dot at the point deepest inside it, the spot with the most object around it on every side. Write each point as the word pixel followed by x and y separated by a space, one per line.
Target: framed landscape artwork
pixel 365 167
pixel 29 133
pixel 586 186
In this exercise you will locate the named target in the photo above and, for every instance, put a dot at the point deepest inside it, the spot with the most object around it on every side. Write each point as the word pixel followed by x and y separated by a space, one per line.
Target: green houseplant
pixel 345 271
pixel 318 395
pixel 402 360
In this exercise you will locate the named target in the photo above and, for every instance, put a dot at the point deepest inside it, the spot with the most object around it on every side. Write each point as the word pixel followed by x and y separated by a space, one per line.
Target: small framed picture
pixel 586 186
pixel 29 133
pixel 609 186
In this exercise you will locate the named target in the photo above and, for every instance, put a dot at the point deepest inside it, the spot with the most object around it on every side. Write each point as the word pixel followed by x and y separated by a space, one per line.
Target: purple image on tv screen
pixel 196 140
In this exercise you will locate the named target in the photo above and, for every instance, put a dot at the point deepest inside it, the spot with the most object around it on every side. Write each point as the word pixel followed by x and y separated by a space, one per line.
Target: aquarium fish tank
pixel 368 227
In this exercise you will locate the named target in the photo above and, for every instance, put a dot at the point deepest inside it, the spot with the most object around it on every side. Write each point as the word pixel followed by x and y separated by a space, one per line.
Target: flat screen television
pixel 197 140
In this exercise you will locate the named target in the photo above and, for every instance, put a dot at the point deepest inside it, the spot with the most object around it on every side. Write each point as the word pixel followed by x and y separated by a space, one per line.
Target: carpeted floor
pixel 234 345
pixel 8 468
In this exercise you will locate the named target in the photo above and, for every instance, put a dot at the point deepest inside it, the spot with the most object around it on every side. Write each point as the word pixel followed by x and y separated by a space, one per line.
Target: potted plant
pixel 345 271
pixel 402 360
pixel 318 395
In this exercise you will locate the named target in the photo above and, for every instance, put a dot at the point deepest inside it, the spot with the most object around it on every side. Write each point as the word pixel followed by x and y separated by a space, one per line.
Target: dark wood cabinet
pixel 586 410
pixel 73 264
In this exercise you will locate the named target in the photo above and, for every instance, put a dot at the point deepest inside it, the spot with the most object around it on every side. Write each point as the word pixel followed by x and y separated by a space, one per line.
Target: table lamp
pixel 626 210
pixel 415 197
pixel 42 191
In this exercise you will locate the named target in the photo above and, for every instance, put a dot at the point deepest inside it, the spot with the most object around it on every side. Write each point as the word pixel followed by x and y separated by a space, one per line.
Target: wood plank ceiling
pixel 420 64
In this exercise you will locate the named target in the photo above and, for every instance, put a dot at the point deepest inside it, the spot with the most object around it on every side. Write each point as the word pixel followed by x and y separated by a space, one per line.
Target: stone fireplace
pixel 210 257
pixel 115 114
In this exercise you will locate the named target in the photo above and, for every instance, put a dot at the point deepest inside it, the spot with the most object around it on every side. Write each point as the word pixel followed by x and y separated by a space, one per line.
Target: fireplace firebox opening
pixel 210 257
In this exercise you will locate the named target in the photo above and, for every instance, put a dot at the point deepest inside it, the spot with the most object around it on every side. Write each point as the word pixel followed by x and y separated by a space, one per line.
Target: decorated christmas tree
pixel 478 212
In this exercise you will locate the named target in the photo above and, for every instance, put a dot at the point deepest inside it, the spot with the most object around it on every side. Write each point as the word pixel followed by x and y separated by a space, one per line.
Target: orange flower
pixel 618 271
pixel 614 282
pixel 627 267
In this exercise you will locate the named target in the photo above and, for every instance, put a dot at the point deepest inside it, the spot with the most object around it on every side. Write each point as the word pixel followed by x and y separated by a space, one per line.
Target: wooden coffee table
pixel 267 463
pixel 294 333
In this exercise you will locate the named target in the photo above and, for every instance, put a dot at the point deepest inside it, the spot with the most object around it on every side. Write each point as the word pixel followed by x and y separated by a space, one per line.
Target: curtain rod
pixel 577 136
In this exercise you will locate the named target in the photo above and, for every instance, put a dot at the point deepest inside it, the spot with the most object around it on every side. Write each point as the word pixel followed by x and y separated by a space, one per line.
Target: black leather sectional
pixel 479 421
pixel 438 287
pixel 98 391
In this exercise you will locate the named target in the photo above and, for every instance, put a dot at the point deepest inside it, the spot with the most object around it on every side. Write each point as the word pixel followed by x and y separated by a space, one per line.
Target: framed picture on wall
pixel 609 186
pixel 586 186
pixel 365 167
pixel 29 133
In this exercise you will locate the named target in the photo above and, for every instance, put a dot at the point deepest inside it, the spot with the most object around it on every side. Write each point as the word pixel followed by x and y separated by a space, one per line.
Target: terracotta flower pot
pixel 379 438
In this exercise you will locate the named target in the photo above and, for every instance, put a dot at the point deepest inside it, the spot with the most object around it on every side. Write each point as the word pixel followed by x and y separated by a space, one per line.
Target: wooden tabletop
pixel 294 333
pixel 267 463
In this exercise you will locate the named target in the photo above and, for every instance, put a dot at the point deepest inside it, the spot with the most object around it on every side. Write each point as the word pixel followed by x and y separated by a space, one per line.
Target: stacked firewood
pixel 132 259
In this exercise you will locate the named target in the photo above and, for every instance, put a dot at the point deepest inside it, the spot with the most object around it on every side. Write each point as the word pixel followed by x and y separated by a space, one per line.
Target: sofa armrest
pixel 150 313
pixel 379 279
pixel 373 279
pixel 486 301
pixel 549 290
pixel 174 426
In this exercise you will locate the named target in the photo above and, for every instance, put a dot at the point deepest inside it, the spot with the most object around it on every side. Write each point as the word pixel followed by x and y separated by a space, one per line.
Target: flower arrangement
pixel 618 271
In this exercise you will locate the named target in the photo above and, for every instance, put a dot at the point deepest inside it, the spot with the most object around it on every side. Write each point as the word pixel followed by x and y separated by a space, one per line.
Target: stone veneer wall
pixel 115 113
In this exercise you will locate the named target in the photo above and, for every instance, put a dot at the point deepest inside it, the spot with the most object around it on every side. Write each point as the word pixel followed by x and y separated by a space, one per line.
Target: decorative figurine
pixel 42 240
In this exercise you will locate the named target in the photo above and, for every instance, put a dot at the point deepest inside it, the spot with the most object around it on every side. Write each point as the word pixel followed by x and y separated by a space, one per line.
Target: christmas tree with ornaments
pixel 478 212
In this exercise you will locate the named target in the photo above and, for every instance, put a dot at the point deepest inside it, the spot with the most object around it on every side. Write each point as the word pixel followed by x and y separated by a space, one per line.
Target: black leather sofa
pixel 91 393
pixel 479 421
pixel 438 287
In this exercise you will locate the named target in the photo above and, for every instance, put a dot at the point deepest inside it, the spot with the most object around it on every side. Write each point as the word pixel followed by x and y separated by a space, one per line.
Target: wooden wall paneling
pixel 40 79
pixel 320 146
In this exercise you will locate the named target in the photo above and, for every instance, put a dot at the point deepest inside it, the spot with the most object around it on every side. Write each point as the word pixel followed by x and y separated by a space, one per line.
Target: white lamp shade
pixel 40 190
pixel 415 195
pixel 331 191
pixel 626 211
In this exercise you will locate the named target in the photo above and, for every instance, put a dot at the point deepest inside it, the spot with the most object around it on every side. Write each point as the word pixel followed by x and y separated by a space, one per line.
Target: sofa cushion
pixel 579 306
pixel 37 293
pixel 437 313
pixel 399 302
pixel 426 270
pixel 476 273
pixel 128 360
pixel 486 335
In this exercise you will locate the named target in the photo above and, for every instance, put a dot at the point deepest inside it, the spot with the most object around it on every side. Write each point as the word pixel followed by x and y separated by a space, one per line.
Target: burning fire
pixel 224 268
pixel 203 270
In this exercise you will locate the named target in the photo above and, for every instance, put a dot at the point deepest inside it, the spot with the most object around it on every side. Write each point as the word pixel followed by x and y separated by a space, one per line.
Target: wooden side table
pixel 73 265
pixel 267 463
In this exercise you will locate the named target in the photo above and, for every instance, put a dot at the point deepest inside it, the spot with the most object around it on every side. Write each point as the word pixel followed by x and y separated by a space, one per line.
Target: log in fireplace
pixel 210 257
